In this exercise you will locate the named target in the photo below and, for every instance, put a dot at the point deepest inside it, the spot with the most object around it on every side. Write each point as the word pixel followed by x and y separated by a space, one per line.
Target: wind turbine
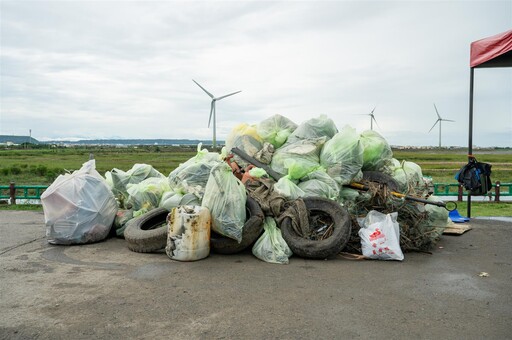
pixel 372 118
pixel 213 111
pixel 439 120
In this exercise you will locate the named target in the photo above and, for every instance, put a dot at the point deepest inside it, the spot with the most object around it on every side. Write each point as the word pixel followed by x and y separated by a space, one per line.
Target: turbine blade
pixel 433 125
pixel 438 116
pixel 202 88
pixel 375 120
pixel 373 109
pixel 227 95
pixel 447 120
pixel 211 112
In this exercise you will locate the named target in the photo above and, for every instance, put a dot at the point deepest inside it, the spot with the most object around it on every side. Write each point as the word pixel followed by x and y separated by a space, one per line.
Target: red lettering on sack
pixel 376 235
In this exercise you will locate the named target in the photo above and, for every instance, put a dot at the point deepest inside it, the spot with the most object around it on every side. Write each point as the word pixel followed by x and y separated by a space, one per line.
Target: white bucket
pixel 188 233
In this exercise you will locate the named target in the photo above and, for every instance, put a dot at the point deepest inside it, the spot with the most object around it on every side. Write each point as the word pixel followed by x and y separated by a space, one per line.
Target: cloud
pixel 102 69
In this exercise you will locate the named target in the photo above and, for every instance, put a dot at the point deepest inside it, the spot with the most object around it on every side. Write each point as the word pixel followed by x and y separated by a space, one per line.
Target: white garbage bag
pixel 79 207
pixel 380 236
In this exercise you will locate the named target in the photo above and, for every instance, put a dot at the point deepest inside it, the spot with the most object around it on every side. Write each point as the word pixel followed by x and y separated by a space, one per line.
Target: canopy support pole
pixel 470 141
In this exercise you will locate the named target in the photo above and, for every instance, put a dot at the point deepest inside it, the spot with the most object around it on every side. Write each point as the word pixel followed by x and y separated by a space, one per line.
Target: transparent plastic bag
pixel 380 236
pixel 245 138
pixel 271 246
pixel 275 130
pixel 225 197
pixel 79 207
pixel 192 175
pixel 321 126
pixel 342 156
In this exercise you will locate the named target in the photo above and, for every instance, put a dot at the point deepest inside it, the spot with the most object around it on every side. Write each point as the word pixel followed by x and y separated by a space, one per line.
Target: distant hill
pixel 134 142
pixel 4 139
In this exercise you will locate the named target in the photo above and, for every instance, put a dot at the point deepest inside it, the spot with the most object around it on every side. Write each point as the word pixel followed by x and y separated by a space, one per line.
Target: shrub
pixel 14 170
pixel 41 170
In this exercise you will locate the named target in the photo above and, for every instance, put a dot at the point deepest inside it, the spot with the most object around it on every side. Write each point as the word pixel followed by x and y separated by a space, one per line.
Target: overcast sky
pixel 110 69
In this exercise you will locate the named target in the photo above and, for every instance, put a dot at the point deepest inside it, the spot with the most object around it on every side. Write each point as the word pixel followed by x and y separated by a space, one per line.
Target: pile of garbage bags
pixel 311 159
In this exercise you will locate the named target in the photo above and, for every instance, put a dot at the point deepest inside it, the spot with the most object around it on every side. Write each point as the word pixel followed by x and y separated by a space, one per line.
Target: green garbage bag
pixel 319 184
pixel 395 170
pixel 348 195
pixel 146 195
pixel 271 246
pixel 433 226
pixel 119 180
pixel 342 156
pixel 287 187
pixel 258 172
pixel 275 130
pixel 171 199
pixel 413 173
pixel 376 151
pixel 122 217
pixel 299 158
pixel 321 126
pixel 225 197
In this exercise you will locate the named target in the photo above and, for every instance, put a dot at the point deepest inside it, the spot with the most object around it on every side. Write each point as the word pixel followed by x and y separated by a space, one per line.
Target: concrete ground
pixel 105 291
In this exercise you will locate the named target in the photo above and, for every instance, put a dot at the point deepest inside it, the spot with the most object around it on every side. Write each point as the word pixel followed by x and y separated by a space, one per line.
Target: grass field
pixel 42 166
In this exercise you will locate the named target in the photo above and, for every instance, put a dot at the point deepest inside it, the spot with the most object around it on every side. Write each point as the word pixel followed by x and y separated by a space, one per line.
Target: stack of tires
pixel 148 233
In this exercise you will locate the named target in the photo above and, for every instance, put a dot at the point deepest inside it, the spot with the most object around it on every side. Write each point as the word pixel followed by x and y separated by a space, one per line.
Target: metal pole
pixel 12 193
pixel 440 122
pixel 470 141
pixel 214 142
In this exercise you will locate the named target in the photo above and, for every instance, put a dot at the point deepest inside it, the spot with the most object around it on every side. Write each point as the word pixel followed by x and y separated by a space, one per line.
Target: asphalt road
pixel 105 291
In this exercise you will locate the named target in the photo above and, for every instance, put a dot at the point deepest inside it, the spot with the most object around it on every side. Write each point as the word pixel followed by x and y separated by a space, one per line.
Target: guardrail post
pixel 12 193
pixel 497 191
pixel 460 194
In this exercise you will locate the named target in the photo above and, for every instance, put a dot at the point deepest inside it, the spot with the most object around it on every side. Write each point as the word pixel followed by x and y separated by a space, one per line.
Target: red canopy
pixel 495 51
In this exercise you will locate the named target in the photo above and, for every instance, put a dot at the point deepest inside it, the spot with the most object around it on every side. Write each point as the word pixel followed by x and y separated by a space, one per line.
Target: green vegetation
pixel 485 208
pixel 443 165
pixel 23 207
pixel 42 165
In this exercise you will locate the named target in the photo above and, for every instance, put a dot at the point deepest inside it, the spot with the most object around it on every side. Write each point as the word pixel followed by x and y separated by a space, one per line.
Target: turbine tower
pixel 439 120
pixel 213 111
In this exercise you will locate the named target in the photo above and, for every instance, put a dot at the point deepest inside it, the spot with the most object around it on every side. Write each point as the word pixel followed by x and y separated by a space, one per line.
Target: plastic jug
pixel 188 236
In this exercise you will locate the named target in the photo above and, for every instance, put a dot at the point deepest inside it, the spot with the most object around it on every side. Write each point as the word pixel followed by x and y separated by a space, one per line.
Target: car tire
pixel 145 234
pixel 253 228
pixel 320 249
pixel 381 178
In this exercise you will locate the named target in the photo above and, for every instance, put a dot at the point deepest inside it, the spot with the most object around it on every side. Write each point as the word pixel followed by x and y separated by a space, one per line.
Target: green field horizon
pixel 41 166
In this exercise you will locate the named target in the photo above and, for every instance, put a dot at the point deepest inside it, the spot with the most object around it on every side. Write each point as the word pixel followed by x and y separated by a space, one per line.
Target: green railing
pixel 14 192
pixel 454 189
